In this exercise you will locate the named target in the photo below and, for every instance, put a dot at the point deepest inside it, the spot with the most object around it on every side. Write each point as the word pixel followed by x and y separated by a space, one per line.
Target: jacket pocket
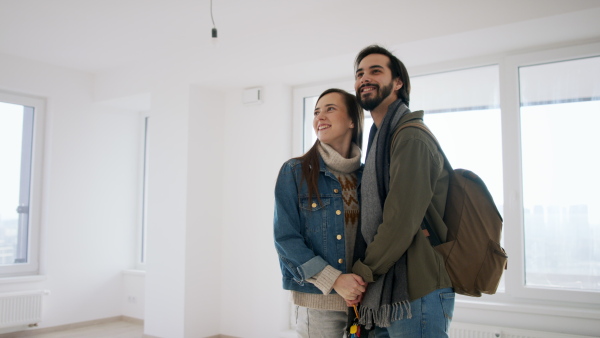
pixel 316 220
pixel 315 213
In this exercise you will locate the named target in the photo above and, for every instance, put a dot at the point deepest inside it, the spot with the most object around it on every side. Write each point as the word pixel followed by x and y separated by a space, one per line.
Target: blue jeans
pixel 431 317
pixel 313 323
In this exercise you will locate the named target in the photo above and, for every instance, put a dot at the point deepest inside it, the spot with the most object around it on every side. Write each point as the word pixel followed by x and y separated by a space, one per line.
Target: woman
pixel 317 215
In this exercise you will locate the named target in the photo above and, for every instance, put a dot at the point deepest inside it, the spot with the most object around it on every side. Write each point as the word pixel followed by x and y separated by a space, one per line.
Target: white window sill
pixel 22 279
pixel 559 309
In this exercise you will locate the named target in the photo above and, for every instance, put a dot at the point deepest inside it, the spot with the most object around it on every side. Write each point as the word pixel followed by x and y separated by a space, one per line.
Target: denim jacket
pixel 306 233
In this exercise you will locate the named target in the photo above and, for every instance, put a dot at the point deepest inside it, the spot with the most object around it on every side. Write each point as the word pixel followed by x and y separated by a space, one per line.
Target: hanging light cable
pixel 214 29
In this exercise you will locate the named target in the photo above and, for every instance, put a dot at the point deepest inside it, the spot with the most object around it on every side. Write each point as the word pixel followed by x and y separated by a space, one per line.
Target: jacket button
pixel 340 261
pixel 314 205
pixel 335 191
pixel 338 212
pixel 339 237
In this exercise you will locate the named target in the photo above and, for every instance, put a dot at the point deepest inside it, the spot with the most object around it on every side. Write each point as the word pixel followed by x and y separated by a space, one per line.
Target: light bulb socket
pixel 214 33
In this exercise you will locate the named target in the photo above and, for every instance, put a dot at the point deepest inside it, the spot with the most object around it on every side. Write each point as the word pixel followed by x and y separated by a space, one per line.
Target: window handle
pixel 23 209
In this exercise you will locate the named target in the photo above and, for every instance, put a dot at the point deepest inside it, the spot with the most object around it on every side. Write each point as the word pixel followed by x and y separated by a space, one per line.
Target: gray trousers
pixel 313 323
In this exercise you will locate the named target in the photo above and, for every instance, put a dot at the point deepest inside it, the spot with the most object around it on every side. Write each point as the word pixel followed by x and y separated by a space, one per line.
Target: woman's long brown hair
pixel 310 160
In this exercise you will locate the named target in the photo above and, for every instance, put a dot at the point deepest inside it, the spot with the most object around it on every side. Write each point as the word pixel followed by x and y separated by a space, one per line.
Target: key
pixel 355 328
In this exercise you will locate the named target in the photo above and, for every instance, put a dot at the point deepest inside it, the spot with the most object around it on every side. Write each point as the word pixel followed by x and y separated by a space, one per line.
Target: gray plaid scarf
pixel 387 299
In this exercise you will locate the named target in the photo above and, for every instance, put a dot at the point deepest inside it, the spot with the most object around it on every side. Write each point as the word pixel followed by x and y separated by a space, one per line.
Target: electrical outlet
pixel 131 299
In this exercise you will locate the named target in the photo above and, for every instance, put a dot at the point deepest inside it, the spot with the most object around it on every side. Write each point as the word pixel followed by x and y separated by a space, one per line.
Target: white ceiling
pixel 257 38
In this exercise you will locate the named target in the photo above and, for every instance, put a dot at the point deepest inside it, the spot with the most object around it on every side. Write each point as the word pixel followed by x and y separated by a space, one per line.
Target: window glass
pixel 16 133
pixel 560 114
pixel 309 134
pixel 462 110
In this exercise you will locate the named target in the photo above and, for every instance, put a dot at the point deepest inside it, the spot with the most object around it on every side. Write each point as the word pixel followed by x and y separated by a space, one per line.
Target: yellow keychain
pixel 355 328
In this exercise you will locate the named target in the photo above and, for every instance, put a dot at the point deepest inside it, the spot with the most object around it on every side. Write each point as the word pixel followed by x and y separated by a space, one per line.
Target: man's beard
pixel 372 103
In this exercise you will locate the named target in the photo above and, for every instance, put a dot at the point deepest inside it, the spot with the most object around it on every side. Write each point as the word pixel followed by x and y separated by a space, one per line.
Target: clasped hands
pixel 351 287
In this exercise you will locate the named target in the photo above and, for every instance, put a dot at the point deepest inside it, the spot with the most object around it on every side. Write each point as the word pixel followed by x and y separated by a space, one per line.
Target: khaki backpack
pixel 472 253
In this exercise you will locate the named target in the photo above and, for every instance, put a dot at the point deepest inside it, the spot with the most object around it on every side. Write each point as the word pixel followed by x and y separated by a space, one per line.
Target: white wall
pixel 89 193
pixel 257 140
pixel 204 212
pixel 133 298
pixel 212 267
pixel 183 269
pixel 167 188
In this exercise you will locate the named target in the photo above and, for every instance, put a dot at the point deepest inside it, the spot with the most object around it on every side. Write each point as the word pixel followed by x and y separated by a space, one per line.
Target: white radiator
pixel 21 308
pixel 462 330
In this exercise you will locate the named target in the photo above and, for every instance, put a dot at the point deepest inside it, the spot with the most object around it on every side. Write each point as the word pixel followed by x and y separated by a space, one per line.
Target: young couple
pixel 335 252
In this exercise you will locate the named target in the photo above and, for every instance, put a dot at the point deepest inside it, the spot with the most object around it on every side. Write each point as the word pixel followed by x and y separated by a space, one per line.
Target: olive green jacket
pixel 418 187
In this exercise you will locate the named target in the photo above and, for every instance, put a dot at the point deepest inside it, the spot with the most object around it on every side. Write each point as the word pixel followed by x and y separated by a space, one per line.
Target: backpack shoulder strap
pixel 421 126
pixel 427 229
pixel 424 128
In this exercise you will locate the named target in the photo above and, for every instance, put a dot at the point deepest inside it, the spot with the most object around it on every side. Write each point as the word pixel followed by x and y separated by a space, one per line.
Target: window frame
pixel 513 184
pixel 517 297
pixel 32 266
pixel 142 227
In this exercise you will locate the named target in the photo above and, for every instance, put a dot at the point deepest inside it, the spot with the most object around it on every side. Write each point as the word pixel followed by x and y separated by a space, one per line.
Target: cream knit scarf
pixel 338 163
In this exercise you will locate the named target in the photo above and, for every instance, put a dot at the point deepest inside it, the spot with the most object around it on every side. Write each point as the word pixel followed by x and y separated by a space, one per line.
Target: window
pixel 560 115
pixel 466 121
pixel 21 121
pixel 527 124
pixel 462 109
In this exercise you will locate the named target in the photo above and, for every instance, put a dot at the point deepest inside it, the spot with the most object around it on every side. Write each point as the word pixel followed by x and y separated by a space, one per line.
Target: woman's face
pixel 331 122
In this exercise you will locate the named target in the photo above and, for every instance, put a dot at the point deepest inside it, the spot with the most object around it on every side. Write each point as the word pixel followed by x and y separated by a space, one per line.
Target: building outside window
pixel 560 115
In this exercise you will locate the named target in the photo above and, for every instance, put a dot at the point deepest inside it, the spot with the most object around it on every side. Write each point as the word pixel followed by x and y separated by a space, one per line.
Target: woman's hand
pixel 350 286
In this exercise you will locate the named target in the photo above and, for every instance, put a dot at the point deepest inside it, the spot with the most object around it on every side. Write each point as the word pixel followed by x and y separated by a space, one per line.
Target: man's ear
pixel 397 84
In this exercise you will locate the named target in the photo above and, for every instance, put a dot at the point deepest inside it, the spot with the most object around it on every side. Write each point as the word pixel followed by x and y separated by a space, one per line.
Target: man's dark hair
pixel 396 66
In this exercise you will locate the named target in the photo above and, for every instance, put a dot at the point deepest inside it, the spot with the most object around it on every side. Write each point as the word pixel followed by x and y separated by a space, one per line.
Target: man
pixel 404 184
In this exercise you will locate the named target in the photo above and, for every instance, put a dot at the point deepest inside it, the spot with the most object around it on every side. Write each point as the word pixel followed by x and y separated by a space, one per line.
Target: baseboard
pixel 215 336
pixel 34 331
pixel 132 320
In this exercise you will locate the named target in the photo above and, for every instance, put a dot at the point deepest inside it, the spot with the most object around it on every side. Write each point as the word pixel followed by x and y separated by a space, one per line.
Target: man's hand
pixel 349 286
pixel 351 303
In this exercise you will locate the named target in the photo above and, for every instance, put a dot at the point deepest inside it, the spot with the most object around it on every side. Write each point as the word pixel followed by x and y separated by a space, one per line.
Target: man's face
pixel 374 83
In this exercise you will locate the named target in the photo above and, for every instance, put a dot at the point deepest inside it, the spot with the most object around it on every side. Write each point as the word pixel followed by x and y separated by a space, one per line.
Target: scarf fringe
pixel 385 315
